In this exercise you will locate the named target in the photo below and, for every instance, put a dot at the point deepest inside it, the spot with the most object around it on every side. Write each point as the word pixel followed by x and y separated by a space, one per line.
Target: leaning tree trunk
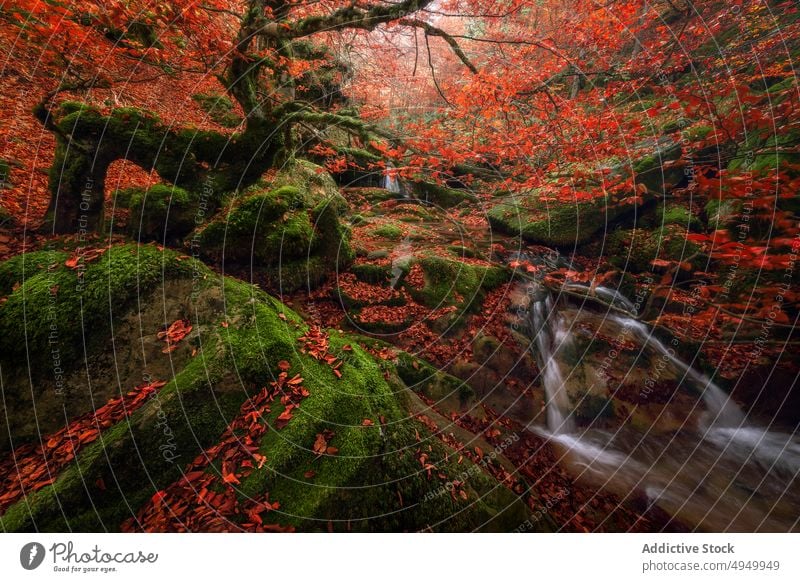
pixel 88 142
pixel 77 185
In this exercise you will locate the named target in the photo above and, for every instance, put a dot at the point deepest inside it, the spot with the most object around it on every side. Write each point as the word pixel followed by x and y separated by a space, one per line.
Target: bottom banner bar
pixel 350 557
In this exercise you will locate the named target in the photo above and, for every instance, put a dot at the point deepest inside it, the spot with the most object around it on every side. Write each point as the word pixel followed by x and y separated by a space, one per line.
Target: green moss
pixel 370 273
pixel 314 183
pixel 451 282
pixel 766 152
pixel 16 270
pixel 161 212
pixel 558 224
pixel 439 386
pixel 219 108
pixel 363 485
pixel 195 406
pixel 462 251
pixel 360 156
pixel 654 171
pixel 292 232
pixel 389 231
pixel 440 195
pixel 358 220
pixel 375 482
pixel 666 214
pixel 697 132
pixel 57 303
pixel 635 249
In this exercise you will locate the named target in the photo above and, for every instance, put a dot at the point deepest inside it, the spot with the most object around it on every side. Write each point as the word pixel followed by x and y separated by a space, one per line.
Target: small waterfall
pixel 728 474
pixel 551 335
pixel 721 411
pixel 615 298
pixel 391 183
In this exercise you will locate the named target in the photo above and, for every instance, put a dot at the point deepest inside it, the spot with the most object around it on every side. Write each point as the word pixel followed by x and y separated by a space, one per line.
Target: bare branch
pixel 431 30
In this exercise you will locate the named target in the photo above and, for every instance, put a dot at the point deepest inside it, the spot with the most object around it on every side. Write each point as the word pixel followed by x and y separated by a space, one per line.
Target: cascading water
pixel 718 473
pixel 391 183
pixel 721 412
pixel 550 335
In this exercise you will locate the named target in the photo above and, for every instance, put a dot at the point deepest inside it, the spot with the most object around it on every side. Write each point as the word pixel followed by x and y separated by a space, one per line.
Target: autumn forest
pixel 399 266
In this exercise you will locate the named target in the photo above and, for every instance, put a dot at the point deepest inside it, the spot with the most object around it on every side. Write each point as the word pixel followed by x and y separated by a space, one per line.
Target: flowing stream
pixel 716 472
pixel 392 184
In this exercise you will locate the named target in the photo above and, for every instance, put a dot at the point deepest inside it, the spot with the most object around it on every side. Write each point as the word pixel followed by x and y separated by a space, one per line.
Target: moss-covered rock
pixel 372 273
pixel 658 170
pixel 674 213
pixel 557 224
pixel 290 226
pixel 210 162
pixel 389 231
pixel 635 249
pixel 53 307
pixel 219 108
pixel 451 282
pixel 767 152
pixel 440 195
pixel 375 482
pixel 161 213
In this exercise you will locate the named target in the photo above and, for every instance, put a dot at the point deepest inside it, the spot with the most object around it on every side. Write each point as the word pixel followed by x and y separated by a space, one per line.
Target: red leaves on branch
pixel 30 467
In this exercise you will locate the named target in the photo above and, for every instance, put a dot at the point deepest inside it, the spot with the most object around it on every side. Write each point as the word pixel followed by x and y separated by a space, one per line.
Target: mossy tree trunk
pixel 257 77
pixel 88 142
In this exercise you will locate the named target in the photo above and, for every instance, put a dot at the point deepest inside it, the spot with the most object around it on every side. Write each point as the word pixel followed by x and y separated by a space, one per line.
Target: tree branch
pixel 350 17
pixel 431 30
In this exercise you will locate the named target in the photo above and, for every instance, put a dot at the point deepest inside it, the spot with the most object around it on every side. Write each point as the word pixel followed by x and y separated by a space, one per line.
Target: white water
pixel 391 183
pixel 721 411
pixel 551 335
pixel 725 475
pixel 615 298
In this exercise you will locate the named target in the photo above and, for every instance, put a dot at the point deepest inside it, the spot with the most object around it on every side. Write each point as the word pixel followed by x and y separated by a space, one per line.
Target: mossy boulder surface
pixel 162 213
pixel 54 301
pixel 635 250
pixel 452 282
pixel 658 170
pixel 375 482
pixel 389 231
pixel 289 225
pixel 554 223
pixel 440 195
pixel 219 108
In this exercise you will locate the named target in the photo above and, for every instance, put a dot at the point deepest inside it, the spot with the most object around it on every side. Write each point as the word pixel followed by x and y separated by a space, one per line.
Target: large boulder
pixel 349 455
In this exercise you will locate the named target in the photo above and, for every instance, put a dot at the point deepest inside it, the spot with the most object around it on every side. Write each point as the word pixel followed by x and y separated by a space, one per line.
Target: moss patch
pixel 283 228
pixel 558 224
pixel 161 213
pixel 54 301
pixel 440 195
pixel 389 231
pixel 451 282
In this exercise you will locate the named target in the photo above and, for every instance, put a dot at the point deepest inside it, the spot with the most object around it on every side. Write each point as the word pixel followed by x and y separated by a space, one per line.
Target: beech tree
pixel 260 50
